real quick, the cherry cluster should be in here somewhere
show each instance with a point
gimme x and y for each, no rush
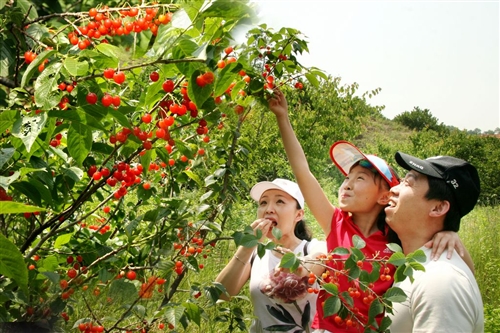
(112, 22)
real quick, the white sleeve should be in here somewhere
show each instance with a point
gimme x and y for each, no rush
(316, 246)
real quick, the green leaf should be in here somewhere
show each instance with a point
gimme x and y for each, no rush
(399, 274)
(27, 9)
(418, 255)
(29, 190)
(52, 276)
(12, 263)
(288, 261)
(74, 173)
(395, 294)
(313, 80)
(62, 239)
(417, 266)
(75, 67)
(332, 306)
(7, 119)
(122, 292)
(28, 128)
(7, 60)
(375, 309)
(384, 325)
(277, 233)
(397, 259)
(196, 93)
(340, 251)
(193, 312)
(174, 314)
(194, 177)
(5, 155)
(225, 9)
(111, 51)
(6, 181)
(10, 207)
(226, 76)
(394, 247)
(79, 142)
(120, 117)
(212, 293)
(358, 242)
(248, 240)
(206, 196)
(46, 94)
(331, 288)
(49, 263)
(132, 225)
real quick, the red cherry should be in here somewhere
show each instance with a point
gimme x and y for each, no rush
(108, 73)
(208, 77)
(119, 77)
(146, 118)
(72, 273)
(168, 86)
(200, 81)
(107, 100)
(116, 101)
(154, 76)
(91, 98)
(221, 64)
(131, 275)
(228, 50)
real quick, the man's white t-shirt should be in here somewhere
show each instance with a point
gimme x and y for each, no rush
(444, 298)
(260, 270)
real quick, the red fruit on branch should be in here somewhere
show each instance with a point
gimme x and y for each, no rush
(119, 77)
(154, 76)
(72, 273)
(131, 275)
(91, 98)
(107, 100)
(168, 86)
(108, 73)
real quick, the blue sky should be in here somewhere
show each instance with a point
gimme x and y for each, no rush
(437, 55)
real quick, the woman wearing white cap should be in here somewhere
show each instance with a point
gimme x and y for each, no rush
(280, 205)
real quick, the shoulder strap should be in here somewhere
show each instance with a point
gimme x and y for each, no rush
(305, 248)
(253, 257)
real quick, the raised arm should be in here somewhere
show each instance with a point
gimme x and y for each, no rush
(316, 200)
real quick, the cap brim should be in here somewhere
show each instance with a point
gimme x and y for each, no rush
(409, 162)
(344, 154)
(259, 188)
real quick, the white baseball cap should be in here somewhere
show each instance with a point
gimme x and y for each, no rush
(284, 185)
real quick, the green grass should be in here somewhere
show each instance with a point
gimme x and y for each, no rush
(480, 232)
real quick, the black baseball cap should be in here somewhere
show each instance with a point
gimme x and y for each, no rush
(459, 175)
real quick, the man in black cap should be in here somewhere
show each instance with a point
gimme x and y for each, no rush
(434, 195)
